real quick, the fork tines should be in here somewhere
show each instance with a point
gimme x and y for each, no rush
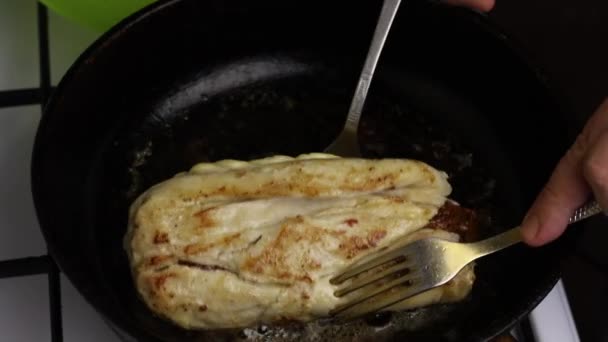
(390, 280)
(365, 265)
(379, 301)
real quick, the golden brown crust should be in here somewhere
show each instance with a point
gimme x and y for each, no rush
(258, 241)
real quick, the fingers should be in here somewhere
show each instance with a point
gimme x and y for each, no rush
(595, 168)
(480, 5)
(582, 170)
(566, 190)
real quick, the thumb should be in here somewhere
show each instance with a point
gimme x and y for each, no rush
(567, 188)
(565, 192)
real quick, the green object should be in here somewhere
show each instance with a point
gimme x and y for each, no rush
(98, 15)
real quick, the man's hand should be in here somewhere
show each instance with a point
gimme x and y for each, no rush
(583, 170)
(480, 5)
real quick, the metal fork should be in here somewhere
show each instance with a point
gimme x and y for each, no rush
(417, 267)
(347, 144)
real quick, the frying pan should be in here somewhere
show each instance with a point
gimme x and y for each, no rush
(186, 81)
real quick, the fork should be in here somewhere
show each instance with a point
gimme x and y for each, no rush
(347, 144)
(417, 267)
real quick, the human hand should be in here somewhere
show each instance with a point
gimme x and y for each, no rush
(480, 5)
(581, 171)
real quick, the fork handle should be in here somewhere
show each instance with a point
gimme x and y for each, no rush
(385, 20)
(513, 236)
(591, 208)
(496, 243)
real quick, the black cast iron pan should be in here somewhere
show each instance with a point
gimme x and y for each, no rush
(186, 81)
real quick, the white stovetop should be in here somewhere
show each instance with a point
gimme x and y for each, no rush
(24, 303)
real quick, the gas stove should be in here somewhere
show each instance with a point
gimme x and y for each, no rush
(37, 302)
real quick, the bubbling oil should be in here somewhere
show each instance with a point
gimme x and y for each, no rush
(378, 327)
